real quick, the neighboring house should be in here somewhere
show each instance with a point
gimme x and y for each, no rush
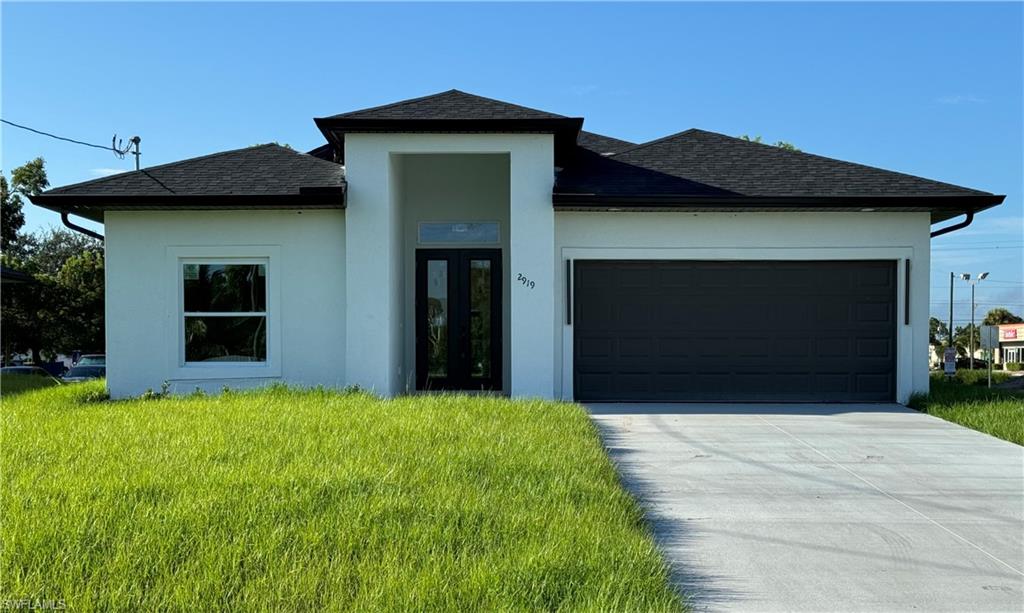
(1011, 344)
(9, 276)
(459, 242)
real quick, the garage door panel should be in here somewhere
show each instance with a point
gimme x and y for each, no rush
(874, 348)
(771, 331)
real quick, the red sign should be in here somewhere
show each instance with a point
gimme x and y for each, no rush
(1010, 333)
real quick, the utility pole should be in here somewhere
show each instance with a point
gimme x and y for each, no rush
(135, 141)
(972, 327)
(977, 279)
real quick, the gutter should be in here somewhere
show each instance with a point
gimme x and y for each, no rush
(77, 228)
(957, 226)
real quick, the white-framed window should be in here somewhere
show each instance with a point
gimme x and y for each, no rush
(1013, 354)
(224, 310)
(225, 319)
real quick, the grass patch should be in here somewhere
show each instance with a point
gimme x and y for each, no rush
(12, 385)
(977, 376)
(996, 412)
(283, 500)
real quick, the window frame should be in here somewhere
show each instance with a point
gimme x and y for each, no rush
(458, 244)
(266, 255)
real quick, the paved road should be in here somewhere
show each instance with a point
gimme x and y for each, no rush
(825, 507)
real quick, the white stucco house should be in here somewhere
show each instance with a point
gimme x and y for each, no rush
(459, 242)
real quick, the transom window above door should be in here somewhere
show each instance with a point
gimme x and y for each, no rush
(479, 232)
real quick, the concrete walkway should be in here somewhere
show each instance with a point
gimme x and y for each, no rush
(825, 507)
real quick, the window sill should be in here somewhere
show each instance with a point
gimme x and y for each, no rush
(226, 371)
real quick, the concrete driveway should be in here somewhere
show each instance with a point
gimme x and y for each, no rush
(825, 507)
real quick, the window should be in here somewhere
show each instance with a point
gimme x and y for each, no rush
(475, 232)
(224, 311)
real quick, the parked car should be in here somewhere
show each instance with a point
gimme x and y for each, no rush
(24, 370)
(84, 373)
(92, 359)
(965, 364)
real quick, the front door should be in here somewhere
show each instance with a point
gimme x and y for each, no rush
(458, 319)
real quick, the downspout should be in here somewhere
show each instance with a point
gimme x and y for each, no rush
(86, 231)
(957, 226)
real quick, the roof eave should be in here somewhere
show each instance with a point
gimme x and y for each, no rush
(93, 206)
(942, 207)
(565, 129)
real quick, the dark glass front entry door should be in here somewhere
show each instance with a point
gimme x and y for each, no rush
(458, 319)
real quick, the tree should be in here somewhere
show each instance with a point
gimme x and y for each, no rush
(51, 249)
(1001, 316)
(938, 332)
(26, 180)
(963, 340)
(781, 144)
(62, 310)
(11, 216)
(23, 314)
(76, 313)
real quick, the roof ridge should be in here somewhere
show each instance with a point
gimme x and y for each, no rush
(800, 153)
(394, 104)
(518, 106)
(655, 141)
(591, 132)
(354, 114)
(147, 169)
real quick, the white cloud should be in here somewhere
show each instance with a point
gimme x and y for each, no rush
(106, 172)
(960, 99)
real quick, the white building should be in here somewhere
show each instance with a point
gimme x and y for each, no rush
(458, 242)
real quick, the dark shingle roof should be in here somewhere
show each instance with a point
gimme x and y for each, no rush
(258, 170)
(602, 144)
(449, 105)
(263, 176)
(700, 163)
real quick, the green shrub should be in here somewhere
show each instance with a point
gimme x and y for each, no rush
(978, 376)
(1014, 366)
(997, 367)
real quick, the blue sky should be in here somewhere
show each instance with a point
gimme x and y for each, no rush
(929, 89)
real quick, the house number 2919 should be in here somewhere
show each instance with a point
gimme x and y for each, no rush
(525, 281)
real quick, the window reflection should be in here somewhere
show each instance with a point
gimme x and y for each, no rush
(437, 318)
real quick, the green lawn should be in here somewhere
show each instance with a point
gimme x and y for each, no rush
(284, 500)
(967, 401)
(12, 385)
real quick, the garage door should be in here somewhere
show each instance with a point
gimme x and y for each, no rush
(776, 331)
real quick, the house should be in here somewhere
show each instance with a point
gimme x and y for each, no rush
(1011, 344)
(9, 276)
(459, 242)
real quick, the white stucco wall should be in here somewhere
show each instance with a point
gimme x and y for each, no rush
(377, 329)
(452, 188)
(306, 295)
(779, 236)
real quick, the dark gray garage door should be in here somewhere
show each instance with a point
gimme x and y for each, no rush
(778, 331)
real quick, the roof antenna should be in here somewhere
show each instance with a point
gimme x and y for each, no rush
(117, 145)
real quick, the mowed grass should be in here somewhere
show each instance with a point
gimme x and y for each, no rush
(12, 385)
(967, 401)
(310, 500)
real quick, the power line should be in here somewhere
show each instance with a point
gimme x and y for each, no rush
(1014, 247)
(115, 144)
